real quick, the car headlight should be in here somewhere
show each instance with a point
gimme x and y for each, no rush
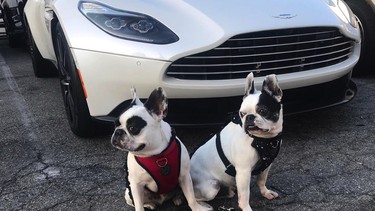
(127, 25)
(345, 11)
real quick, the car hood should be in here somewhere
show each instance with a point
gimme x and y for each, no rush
(200, 25)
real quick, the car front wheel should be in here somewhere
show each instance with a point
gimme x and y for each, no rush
(80, 120)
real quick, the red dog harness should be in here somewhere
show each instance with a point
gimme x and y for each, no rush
(165, 167)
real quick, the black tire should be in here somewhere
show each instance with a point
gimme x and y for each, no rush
(80, 121)
(42, 67)
(11, 39)
(365, 11)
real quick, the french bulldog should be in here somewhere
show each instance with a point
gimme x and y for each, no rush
(157, 161)
(244, 147)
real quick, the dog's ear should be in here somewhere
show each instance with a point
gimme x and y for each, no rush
(136, 100)
(271, 87)
(249, 88)
(157, 104)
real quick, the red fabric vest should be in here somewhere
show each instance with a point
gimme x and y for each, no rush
(165, 167)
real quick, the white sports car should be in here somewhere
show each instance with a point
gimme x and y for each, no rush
(198, 51)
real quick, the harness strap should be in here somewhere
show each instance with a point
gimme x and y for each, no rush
(230, 170)
(267, 149)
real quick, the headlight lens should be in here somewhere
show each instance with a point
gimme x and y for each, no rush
(127, 25)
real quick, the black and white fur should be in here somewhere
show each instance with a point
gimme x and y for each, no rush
(142, 132)
(262, 116)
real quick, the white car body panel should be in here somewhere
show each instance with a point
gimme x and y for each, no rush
(212, 29)
(110, 65)
(35, 13)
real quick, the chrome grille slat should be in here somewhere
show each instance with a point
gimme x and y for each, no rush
(284, 44)
(266, 52)
(260, 70)
(264, 62)
(263, 54)
(315, 33)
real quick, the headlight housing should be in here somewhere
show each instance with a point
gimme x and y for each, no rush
(127, 25)
(349, 15)
(345, 11)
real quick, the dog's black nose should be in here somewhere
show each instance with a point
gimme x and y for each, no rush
(250, 119)
(119, 132)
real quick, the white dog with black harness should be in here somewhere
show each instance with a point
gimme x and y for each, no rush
(246, 146)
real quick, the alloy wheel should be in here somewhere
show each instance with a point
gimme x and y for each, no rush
(64, 73)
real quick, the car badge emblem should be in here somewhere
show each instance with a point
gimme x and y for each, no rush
(285, 16)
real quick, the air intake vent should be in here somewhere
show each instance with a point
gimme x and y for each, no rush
(266, 52)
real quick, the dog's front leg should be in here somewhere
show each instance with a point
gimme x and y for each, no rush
(186, 185)
(262, 179)
(243, 178)
(187, 188)
(138, 196)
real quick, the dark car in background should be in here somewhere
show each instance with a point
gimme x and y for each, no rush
(12, 15)
(365, 12)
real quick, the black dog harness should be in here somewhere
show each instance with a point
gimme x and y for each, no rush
(267, 148)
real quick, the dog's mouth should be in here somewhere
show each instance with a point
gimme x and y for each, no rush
(121, 145)
(139, 148)
(255, 128)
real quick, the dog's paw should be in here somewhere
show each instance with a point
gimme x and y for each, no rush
(269, 194)
(178, 200)
(128, 199)
(246, 208)
(202, 206)
(223, 208)
(150, 206)
(231, 193)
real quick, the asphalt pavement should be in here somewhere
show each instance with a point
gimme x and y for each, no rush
(326, 162)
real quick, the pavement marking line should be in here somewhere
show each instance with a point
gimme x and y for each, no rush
(20, 102)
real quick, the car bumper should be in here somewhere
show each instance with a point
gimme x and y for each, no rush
(216, 111)
(107, 79)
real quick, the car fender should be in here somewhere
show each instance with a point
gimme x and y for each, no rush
(38, 15)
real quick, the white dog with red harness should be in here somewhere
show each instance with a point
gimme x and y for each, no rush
(158, 162)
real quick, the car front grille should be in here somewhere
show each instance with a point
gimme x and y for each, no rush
(266, 52)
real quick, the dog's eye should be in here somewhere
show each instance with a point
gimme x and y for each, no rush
(134, 130)
(262, 111)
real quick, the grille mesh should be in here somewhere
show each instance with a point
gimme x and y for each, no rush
(266, 52)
